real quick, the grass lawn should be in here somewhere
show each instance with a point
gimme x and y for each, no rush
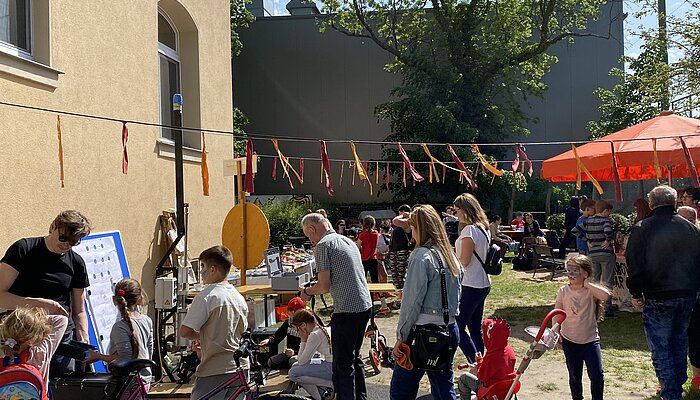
(524, 301)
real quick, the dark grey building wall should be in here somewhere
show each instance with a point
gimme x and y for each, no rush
(293, 81)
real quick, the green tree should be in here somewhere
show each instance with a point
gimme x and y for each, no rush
(240, 18)
(638, 96)
(464, 65)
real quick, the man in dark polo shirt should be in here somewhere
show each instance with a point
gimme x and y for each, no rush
(340, 271)
(46, 272)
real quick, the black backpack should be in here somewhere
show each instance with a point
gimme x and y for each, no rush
(494, 263)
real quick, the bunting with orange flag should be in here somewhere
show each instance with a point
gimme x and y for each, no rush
(581, 167)
(361, 172)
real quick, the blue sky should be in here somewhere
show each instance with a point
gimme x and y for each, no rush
(632, 24)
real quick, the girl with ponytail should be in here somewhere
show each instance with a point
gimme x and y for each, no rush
(132, 335)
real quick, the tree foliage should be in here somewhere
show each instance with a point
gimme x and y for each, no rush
(638, 96)
(464, 64)
(648, 78)
(240, 18)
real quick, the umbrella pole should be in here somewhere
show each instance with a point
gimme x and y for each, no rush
(670, 175)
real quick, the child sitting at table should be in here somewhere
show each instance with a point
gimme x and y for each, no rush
(314, 368)
(285, 359)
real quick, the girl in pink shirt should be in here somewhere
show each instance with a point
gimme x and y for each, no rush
(583, 303)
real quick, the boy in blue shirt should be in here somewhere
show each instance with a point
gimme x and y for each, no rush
(588, 207)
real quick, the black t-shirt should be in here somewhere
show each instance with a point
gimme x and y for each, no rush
(400, 240)
(44, 274)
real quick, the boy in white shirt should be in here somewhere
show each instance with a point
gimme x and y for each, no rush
(215, 321)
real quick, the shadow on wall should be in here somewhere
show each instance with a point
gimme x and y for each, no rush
(156, 250)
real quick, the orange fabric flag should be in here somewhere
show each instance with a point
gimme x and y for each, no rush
(581, 167)
(361, 172)
(205, 167)
(60, 149)
(286, 166)
(492, 168)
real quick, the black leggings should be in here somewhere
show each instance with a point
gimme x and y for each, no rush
(694, 336)
(372, 266)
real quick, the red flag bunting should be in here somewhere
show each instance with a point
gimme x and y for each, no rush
(125, 155)
(274, 168)
(521, 152)
(326, 167)
(616, 175)
(460, 165)
(301, 170)
(249, 185)
(414, 174)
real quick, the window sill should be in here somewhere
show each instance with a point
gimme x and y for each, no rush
(29, 70)
(166, 149)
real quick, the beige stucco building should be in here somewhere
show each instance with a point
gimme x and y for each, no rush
(118, 59)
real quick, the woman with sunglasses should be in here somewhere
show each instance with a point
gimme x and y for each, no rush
(45, 272)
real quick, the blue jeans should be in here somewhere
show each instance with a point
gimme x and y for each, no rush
(578, 354)
(404, 383)
(471, 310)
(666, 326)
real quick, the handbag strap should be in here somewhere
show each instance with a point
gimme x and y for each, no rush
(487, 244)
(443, 285)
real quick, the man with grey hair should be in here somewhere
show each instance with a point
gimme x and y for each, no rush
(663, 262)
(340, 271)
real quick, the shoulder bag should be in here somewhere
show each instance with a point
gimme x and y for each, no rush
(432, 349)
(494, 263)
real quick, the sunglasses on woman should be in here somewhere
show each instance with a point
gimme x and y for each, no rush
(64, 239)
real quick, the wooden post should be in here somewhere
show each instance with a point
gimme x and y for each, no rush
(244, 242)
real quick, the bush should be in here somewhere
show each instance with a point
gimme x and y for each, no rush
(284, 220)
(620, 223)
(555, 222)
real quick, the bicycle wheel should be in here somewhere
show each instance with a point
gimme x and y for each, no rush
(281, 396)
(375, 360)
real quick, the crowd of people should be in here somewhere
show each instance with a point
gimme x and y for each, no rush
(441, 283)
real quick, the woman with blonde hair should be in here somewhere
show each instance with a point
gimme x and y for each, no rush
(422, 302)
(473, 241)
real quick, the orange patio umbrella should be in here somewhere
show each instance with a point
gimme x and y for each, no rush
(677, 143)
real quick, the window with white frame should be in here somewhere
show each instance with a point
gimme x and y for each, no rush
(169, 63)
(15, 27)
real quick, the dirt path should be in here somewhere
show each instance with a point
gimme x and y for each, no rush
(546, 378)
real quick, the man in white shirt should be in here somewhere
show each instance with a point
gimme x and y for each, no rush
(215, 321)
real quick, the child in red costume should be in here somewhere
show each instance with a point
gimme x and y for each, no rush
(498, 364)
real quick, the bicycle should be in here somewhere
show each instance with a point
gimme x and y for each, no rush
(249, 387)
(123, 382)
(379, 352)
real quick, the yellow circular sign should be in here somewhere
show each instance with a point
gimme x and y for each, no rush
(251, 238)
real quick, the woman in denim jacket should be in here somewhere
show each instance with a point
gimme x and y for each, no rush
(422, 301)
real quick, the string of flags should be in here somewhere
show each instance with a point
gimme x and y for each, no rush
(360, 169)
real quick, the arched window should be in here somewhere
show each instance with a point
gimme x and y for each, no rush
(178, 62)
